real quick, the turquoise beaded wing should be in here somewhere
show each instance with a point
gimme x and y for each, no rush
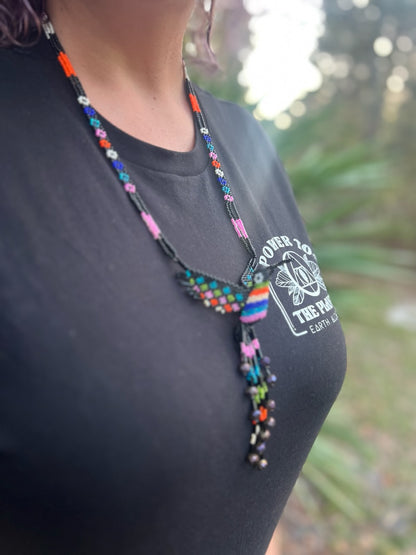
(223, 296)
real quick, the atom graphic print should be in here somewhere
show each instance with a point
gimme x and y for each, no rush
(298, 289)
(301, 277)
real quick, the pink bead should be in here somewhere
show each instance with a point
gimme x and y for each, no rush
(209, 294)
(247, 350)
(151, 225)
(253, 317)
(236, 307)
(229, 198)
(239, 228)
(223, 300)
(213, 155)
(101, 133)
(130, 188)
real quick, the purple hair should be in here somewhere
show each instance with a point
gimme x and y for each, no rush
(19, 19)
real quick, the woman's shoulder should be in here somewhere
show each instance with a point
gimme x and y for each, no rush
(229, 112)
(235, 124)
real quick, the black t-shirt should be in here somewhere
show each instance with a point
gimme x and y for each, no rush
(123, 420)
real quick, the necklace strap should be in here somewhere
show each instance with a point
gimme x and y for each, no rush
(122, 172)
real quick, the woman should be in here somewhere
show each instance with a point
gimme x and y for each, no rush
(123, 424)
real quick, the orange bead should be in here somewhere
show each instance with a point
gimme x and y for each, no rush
(105, 144)
(263, 414)
(194, 103)
(66, 64)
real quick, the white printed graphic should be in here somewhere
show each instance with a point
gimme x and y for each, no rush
(301, 277)
(299, 281)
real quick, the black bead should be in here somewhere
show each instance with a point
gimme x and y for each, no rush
(253, 458)
(271, 422)
(262, 464)
(245, 368)
(271, 404)
(271, 380)
(265, 434)
(252, 391)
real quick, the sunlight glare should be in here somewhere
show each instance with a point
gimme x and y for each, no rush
(278, 71)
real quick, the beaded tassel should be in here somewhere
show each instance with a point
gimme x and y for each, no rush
(256, 369)
(252, 304)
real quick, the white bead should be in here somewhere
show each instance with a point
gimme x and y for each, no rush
(219, 172)
(257, 428)
(207, 303)
(110, 153)
(204, 131)
(83, 100)
(253, 439)
(48, 28)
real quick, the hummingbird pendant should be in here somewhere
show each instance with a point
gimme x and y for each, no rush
(252, 303)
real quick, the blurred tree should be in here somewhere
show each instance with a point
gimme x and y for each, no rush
(367, 56)
(368, 59)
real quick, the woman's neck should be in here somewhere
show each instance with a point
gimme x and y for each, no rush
(141, 39)
(129, 59)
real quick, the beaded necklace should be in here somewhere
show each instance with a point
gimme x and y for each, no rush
(250, 298)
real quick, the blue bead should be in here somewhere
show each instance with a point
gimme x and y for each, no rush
(261, 448)
(207, 138)
(89, 111)
(213, 285)
(124, 177)
(255, 414)
(188, 273)
(226, 290)
(239, 296)
(117, 164)
(200, 279)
